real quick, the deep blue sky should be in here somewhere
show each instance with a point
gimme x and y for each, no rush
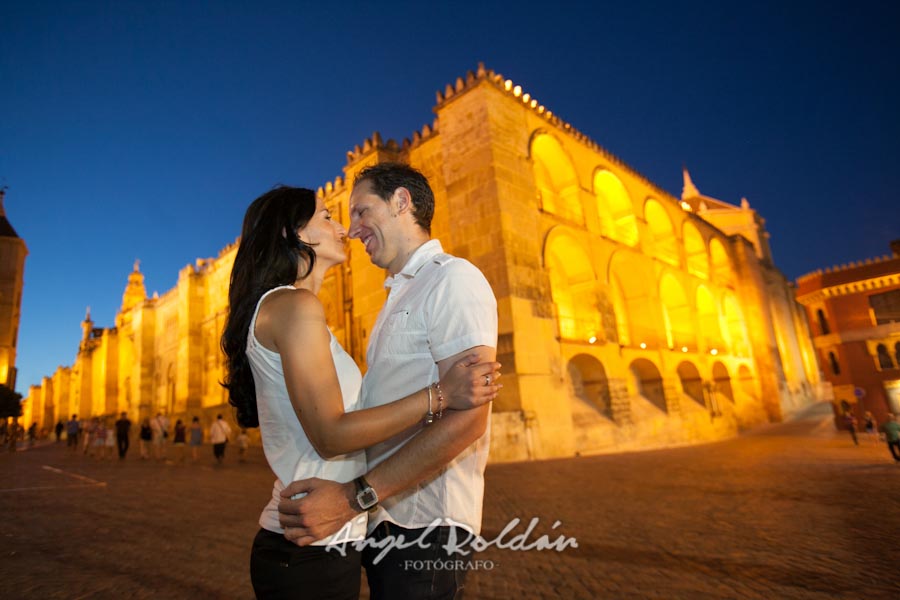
(143, 129)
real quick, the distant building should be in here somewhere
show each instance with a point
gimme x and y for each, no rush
(855, 312)
(12, 273)
(629, 318)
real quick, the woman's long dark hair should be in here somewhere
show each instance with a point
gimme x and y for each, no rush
(269, 255)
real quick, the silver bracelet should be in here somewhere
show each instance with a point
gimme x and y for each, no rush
(429, 416)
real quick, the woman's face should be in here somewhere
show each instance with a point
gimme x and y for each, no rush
(326, 236)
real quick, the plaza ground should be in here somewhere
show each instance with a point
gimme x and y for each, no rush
(792, 510)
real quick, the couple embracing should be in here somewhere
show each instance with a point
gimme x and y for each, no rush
(399, 452)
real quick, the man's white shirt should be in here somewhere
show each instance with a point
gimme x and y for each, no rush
(438, 306)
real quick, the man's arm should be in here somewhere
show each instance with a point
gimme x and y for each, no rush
(427, 453)
(328, 505)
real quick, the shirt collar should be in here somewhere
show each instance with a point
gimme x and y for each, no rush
(419, 259)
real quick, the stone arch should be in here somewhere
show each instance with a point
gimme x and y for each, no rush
(635, 311)
(590, 383)
(709, 320)
(616, 210)
(691, 382)
(555, 178)
(677, 315)
(747, 382)
(572, 286)
(648, 383)
(665, 244)
(695, 251)
(736, 329)
(721, 265)
(722, 382)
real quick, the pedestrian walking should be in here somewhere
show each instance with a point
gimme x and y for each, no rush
(110, 442)
(99, 443)
(871, 427)
(196, 437)
(72, 429)
(123, 430)
(87, 434)
(179, 440)
(243, 442)
(160, 427)
(218, 435)
(12, 435)
(146, 438)
(891, 429)
(850, 424)
(58, 430)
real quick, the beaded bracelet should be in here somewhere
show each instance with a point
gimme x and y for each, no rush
(440, 396)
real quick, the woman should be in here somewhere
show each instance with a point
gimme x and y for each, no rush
(288, 375)
(179, 440)
(145, 437)
(196, 437)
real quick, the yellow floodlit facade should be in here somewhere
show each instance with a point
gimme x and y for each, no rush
(629, 318)
(12, 271)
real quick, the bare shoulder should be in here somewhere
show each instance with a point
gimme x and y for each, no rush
(285, 310)
(289, 304)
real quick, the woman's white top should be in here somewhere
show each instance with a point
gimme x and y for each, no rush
(288, 451)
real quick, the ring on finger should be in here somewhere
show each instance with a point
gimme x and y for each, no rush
(487, 379)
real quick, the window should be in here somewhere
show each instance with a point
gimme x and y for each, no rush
(823, 322)
(886, 307)
(835, 366)
(884, 358)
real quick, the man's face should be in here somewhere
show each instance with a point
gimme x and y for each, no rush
(372, 223)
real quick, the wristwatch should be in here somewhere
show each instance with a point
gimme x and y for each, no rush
(366, 497)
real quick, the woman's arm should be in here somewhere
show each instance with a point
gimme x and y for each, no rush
(301, 338)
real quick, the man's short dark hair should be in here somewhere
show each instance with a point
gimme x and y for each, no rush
(386, 177)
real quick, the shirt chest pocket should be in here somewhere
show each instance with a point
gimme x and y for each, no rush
(405, 334)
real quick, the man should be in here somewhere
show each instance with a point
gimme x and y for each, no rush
(72, 429)
(891, 429)
(850, 422)
(218, 436)
(439, 309)
(123, 428)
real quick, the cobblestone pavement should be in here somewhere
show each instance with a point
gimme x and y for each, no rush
(789, 511)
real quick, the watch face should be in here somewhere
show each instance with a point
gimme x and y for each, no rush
(367, 498)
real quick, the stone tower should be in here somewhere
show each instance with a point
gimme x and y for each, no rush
(12, 270)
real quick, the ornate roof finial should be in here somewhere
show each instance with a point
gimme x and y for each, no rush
(137, 265)
(689, 190)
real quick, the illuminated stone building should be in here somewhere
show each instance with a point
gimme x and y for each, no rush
(12, 272)
(629, 318)
(855, 314)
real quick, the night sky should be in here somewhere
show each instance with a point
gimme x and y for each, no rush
(142, 130)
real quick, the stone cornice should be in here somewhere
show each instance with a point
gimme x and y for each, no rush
(846, 289)
(877, 334)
